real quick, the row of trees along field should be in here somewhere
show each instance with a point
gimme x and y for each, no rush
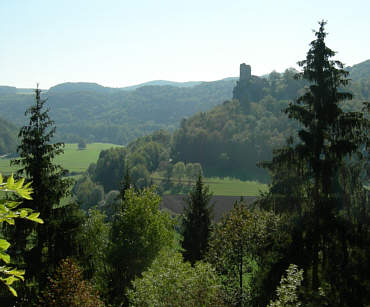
(304, 242)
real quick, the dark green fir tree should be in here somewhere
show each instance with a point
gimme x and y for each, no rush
(197, 222)
(36, 162)
(306, 178)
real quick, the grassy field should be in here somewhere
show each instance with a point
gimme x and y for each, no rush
(218, 186)
(234, 187)
(73, 159)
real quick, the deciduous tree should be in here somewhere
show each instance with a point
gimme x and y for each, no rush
(139, 231)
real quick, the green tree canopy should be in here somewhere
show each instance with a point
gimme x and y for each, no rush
(171, 282)
(139, 231)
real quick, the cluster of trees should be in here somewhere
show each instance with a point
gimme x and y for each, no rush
(145, 158)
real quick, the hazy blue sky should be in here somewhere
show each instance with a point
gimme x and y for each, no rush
(119, 43)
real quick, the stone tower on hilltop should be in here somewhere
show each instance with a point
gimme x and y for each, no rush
(241, 88)
(245, 73)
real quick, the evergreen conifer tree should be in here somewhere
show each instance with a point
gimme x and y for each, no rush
(197, 222)
(328, 138)
(36, 154)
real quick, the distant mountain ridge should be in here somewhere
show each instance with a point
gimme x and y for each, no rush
(95, 87)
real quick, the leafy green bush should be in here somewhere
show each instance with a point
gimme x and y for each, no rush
(171, 282)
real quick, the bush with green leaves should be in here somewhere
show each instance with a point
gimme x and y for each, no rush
(171, 282)
(9, 211)
(242, 246)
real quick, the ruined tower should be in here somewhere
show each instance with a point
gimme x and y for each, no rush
(241, 88)
(245, 73)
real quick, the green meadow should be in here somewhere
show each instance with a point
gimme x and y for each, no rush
(73, 159)
(218, 186)
(234, 187)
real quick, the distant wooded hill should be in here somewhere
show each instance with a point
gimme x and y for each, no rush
(100, 114)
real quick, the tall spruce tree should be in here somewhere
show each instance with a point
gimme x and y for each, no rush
(197, 222)
(327, 139)
(36, 154)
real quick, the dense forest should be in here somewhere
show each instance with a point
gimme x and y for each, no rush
(305, 242)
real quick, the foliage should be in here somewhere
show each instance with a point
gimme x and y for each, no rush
(141, 157)
(110, 167)
(9, 211)
(139, 231)
(193, 170)
(196, 222)
(179, 170)
(82, 144)
(243, 244)
(287, 291)
(171, 282)
(67, 288)
(87, 193)
(94, 242)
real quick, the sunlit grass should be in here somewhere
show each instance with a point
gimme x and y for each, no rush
(235, 187)
(73, 159)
